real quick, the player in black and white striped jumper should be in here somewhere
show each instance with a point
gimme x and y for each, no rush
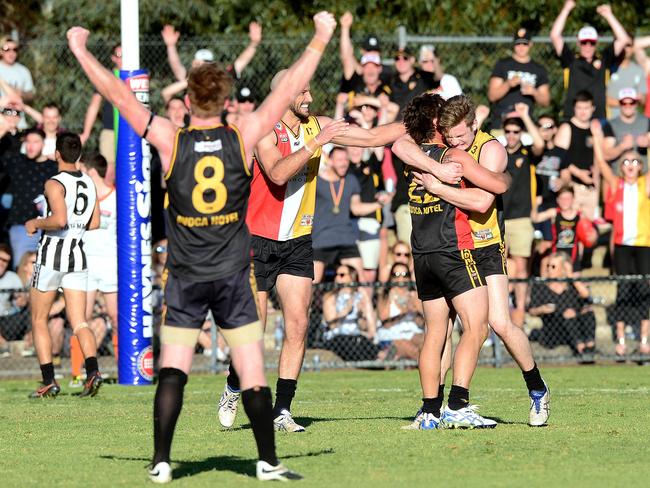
(71, 209)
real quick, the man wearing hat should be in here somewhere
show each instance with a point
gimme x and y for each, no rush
(517, 79)
(588, 69)
(629, 131)
(407, 82)
(365, 76)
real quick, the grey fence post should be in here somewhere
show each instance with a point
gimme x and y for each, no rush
(401, 36)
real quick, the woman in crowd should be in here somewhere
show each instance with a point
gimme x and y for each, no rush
(399, 253)
(349, 319)
(401, 316)
(564, 307)
(627, 204)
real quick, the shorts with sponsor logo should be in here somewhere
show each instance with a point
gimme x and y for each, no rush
(446, 274)
(232, 301)
(491, 260)
(102, 274)
(47, 279)
(271, 258)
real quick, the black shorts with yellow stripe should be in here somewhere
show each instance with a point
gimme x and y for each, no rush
(492, 260)
(232, 300)
(446, 274)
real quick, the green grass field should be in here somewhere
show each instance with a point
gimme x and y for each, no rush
(598, 434)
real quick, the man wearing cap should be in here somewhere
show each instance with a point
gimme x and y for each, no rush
(629, 131)
(361, 77)
(588, 69)
(517, 79)
(15, 74)
(627, 75)
(407, 82)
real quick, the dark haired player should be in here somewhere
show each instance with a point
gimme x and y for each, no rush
(208, 172)
(71, 209)
(457, 123)
(447, 275)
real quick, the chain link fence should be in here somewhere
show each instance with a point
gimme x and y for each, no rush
(563, 326)
(58, 77)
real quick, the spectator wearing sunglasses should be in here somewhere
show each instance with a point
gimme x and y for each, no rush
(519, 200)
(588, 69)
(628, 74)
(15, 74)
(517, 79)
(407, 82)
(629, 130)
(628, 205)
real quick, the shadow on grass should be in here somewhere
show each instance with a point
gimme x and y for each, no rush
(307, 421)
(506, 422)
(234, 464)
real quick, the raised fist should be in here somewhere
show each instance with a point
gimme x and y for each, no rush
(255, 32)
(346, 19)
(324, 23)
(77, 38)
(170, 35)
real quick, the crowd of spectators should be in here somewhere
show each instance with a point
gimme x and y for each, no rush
(579, 181)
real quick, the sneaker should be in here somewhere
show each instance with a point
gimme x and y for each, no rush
(76, 382)
(415, 425)
(285, 423)
(28, 352)
(266, 472)
(228, 406)
(540, 407)
(46, 391)
(465, 418)
(91, 387)
(161, 473)
(429, 422)
(5, 352)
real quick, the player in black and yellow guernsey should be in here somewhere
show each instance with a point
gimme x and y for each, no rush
(208, 170)
(446, 275)
(457, 122)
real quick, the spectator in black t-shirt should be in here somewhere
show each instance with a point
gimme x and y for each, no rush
(518, 201)
(548, 168)
(408, 81)
(27, 176)
(365, 77)
(575, 137)
(588, 69)
(517, 79)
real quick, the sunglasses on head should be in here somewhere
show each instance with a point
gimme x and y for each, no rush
(10, 111)
(588, 43)
(511, 131)
(400, 274)
(631, 162)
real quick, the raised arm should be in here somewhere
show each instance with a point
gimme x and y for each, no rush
(640, 46)
(246, 56)
(408, 151)
(170, 90)
(599, 159)
(256, 125)
(90, 117)
(621, 37)
(170, 37)
(349, 62)
(558, 26)
(280, 169)
(160, 131)
(524, 113)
